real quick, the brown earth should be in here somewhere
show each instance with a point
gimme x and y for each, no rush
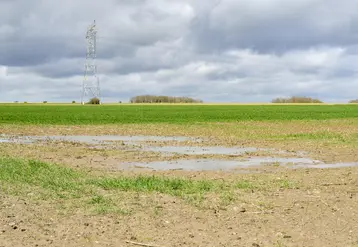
(320, 210)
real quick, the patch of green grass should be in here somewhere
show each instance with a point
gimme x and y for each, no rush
(123, 114)
(284, 184)
(245, 185)
(227, 198)
(52, 181)
(105, 205)
(324, 136)
(315, 136)
(170, 186)
(62, 182)
(99, 199)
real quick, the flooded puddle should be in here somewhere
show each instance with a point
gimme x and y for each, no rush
(109, 140)
(16, 140)
(95, 139)
(188, 165)
(326, 166)
(201, 150)
(227, 165)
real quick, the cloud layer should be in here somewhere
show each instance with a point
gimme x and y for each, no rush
(223, 50)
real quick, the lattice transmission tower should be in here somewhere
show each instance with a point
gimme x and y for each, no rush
(90, 85)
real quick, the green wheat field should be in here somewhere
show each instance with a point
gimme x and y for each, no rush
(171, 114)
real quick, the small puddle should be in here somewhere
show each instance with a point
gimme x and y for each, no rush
(227, 165)
(187, 165)
(108, 140)
(95, 139)
(327, 166)
(18, 141)
(200, 150)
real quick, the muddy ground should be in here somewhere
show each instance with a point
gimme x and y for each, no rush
(320, 209)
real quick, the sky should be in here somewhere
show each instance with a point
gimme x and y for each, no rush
(213, 50)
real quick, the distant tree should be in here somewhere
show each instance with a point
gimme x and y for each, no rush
(73, 102)
(45, 102)
(162, 99)
(94, 101)
(355, 101)
(296, 99)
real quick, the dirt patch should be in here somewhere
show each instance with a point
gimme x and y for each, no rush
(291, 207)
(320, 213)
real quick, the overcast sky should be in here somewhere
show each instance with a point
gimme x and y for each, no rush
(228, 50)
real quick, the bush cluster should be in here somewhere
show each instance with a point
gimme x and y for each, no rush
(296, 99)
(162, 99)
(94, 101)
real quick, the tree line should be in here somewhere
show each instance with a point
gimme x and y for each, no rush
(296, 99)
(162, 99)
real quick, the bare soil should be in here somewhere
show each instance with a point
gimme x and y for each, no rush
(322, 210)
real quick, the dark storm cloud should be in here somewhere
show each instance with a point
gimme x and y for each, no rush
(32, 52)
(276, 26)
(59, 72)
(212, 50)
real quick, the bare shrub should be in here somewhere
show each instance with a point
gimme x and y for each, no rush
(296, 99)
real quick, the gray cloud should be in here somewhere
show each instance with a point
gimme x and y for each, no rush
(276, 25)
(224, 50)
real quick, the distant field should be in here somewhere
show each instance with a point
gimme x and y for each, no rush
(121, 114)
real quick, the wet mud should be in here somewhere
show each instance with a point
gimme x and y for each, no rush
(231, 158)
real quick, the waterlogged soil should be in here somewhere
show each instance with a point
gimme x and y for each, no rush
(159, 153)
(321, 210)
(239, 166)
(331, 141)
